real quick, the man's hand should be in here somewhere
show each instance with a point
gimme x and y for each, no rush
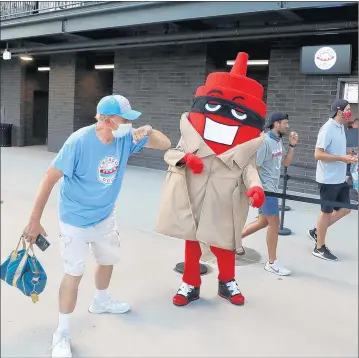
(293, 138)
(141, 133)
(194, 163)
(256, 196)
(349, 159)
(32, 231)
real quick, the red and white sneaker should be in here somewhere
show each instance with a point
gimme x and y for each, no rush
(185, 295)
(230, 291)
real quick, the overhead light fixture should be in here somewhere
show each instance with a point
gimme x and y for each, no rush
(252, 63)
(6, 55)
(104, 67)
(26, 58)
(43, 69)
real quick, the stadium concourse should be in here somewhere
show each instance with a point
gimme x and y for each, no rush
(312, 313)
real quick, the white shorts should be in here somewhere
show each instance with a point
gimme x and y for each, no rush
(104, 240)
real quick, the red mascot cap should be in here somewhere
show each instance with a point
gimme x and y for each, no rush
(235, 86)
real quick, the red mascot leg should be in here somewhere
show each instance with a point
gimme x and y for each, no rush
(227, 285)
(192, 271)
(189, 290)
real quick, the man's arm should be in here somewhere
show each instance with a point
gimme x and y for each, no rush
(321, 154)
(34, 228)
(288, 158)
(323, 142)
(293, 141)
(52, 176)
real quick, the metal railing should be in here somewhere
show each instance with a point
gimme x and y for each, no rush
(16, 9)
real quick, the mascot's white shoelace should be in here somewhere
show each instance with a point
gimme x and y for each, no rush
(185, 289)
(233, 287)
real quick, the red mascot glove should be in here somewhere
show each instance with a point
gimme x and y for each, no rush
(257, 194)
(193, 163)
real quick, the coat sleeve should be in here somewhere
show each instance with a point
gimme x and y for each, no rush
(250, 174)
(174, 155)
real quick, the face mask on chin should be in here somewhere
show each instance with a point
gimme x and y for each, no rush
(122, 130)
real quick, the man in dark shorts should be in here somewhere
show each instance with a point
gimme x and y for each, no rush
(332, 157)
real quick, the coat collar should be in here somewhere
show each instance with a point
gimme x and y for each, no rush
(194, 142)
(240, 154)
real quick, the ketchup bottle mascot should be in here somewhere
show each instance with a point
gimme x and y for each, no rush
(212, 177)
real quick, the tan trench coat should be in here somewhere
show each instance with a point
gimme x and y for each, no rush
(210, 207)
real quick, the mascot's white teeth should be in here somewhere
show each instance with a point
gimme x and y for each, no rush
(219, 133)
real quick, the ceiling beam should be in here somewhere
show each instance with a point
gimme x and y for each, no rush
(32, 43)
(196, 25)
(72, 37)
(200, 36)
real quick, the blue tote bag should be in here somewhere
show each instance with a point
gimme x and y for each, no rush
(24, 271)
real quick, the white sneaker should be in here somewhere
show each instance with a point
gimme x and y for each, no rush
(61, 345)
(109, 306)
(277, 268)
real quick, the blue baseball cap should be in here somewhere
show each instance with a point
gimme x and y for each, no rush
(117, 105)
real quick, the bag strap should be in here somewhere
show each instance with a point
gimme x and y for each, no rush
(14, 253)
(22, 240)
(31, 247)
(24, 247)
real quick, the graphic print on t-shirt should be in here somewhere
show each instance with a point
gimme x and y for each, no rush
(277, 153)
(107, 170)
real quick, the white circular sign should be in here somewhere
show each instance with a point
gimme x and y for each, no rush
(325, 58)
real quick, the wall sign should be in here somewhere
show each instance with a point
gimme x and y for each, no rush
(327, 59)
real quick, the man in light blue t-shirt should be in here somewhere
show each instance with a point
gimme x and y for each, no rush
(332, 159)
(91, 164)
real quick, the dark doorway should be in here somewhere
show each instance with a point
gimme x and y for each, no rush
(40, 119)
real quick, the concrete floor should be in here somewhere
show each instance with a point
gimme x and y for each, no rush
(313, 313)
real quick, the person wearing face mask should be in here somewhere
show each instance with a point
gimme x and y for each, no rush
(332, 158)
(352, 143)
(91, 164)
(270, 157)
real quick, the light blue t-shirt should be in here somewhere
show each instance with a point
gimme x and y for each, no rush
(332, 139)
(93, 173)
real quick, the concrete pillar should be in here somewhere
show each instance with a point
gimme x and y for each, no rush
(61, 100)
(12, 94)
(74, 92)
